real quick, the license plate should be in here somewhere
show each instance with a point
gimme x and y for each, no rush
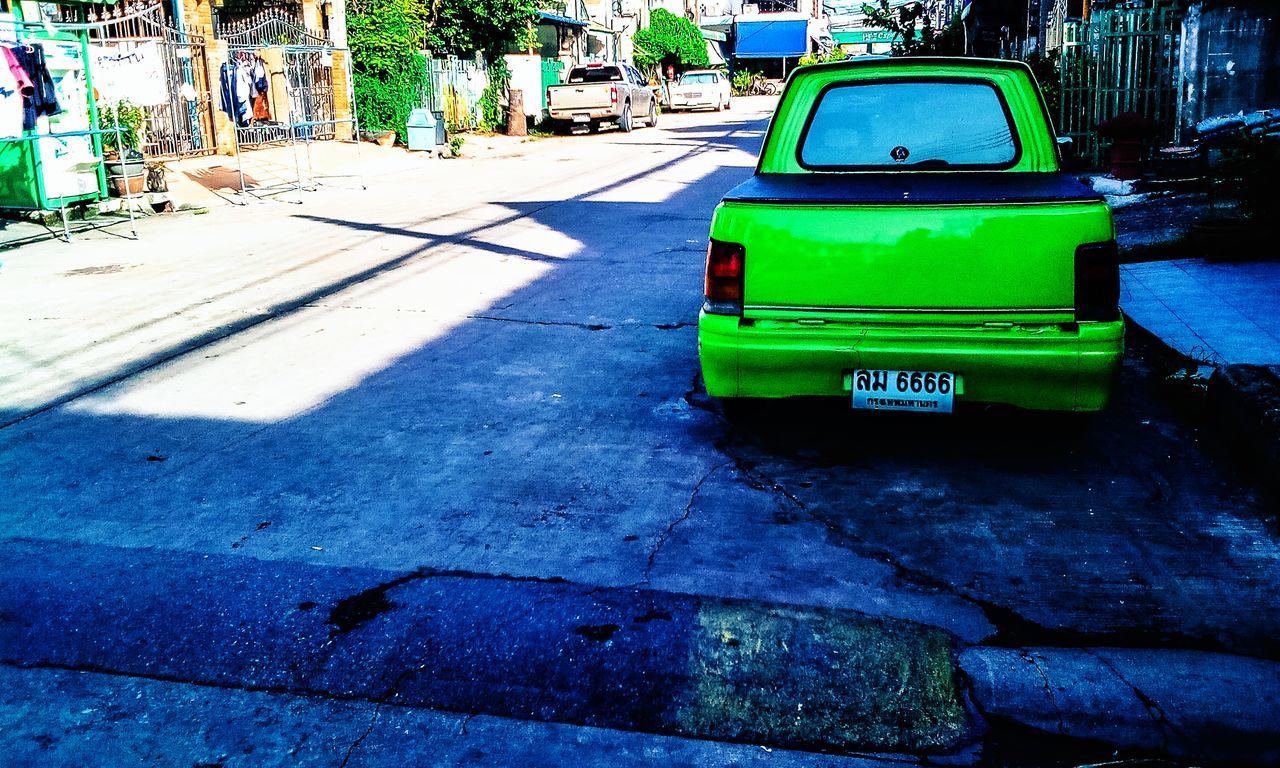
(903, 390)
(582, 118)
(694, 95)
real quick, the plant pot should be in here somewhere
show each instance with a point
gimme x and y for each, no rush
(133, 185)
(381, 138)
(130, 168)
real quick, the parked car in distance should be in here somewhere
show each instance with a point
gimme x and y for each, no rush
(701, 89)
(597, 93)
(909, 241)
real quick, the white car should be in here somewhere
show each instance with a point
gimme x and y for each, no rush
(701, 89)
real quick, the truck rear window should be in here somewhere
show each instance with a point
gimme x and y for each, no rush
(702, 78)
(909, 124)
(595, 75)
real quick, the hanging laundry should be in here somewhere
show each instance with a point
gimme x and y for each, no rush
(237, 88)
(261, 110)
(244, 92)
(43, 99)
(259, 75)
(15, 87)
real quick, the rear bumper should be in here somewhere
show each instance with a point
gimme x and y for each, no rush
(567, 115)
(693, 104)
(1061, 368)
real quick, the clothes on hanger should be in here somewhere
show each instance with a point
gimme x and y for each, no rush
(237, 86)
(261, 110)
(244, 90)
(43, 99)
(15, 88)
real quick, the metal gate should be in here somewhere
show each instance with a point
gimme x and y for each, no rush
(456, 86)
(308, 70)
(1120, 61)
(552, 72)
(182, 125)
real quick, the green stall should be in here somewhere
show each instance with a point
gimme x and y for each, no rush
(59, 162)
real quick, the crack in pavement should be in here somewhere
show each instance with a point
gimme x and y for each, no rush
(462, 730)
(1010, 629)
(1048, 688)
(688, 510)
(1150, 705)
(585, 326)
(551, 323)
(377, 710)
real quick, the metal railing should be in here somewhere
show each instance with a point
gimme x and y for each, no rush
(1121, 61)
(182, 125)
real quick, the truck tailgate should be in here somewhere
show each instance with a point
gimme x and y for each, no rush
(949, 245)
(584, 97)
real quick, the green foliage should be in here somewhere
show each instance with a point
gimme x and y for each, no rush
(670, 40)
(384, 37)
(489, 27)
(129, 117)
(741, 83)
(835, 54)
(455, 145)
(914, 30)
(1048, 74)
(492, 114)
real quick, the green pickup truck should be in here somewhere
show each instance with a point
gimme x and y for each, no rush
(909, 241)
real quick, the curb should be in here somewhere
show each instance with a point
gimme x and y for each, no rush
(1244, 403)
(1241, 406)
(1207, 707)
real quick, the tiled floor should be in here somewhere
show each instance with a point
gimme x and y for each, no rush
(1212, 311)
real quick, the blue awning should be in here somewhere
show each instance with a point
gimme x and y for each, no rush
(771, 39)
(564, 21)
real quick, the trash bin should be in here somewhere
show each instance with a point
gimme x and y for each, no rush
(424, 131)
(441, 137)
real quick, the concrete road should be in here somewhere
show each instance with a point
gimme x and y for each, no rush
(424, 474)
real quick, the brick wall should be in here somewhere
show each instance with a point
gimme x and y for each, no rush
(342, 96)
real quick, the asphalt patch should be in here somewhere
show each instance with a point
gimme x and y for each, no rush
(525, 648)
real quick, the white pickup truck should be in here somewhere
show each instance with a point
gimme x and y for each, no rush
(598, 93)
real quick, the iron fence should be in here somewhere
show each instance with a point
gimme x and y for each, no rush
(1120, 61)
(307, 66)
(454, 88)
(183, 124)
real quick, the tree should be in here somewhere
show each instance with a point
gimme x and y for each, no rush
(488, 27)
(670, 40)
(914, 30)
(388, 74)
(385, 37)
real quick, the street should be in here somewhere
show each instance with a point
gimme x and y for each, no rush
(425, 474)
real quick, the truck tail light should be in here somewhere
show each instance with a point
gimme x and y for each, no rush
(1098, 281)
(613, 94)
(726, 266)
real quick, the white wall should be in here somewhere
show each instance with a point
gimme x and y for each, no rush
(526, 76)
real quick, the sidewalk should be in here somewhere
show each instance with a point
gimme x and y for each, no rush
(1214, 312)
(215, 179)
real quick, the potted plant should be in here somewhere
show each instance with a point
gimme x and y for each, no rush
(125, 166)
